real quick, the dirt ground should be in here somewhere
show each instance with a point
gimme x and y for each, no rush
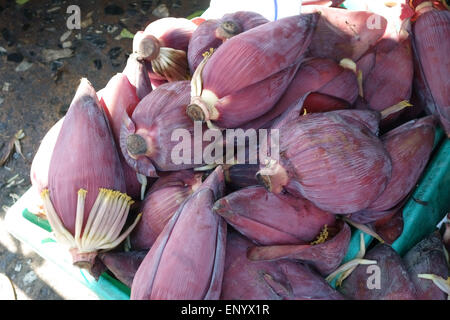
(36, 90)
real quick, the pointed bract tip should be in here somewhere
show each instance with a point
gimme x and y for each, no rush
(196, 113)
(221, 207)
(85, 81)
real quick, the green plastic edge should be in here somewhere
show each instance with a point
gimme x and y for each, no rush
(436, 174)
(108, 288)
(118, 284)
(43, 223)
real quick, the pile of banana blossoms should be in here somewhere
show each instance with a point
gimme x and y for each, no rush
(335, 86)
(262, 59)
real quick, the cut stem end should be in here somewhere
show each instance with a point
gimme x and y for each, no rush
(227, 30)
(195, 112)
(83, 260)
(136, 145)
(148, 48)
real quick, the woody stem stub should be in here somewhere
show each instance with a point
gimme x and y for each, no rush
(136, 145)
